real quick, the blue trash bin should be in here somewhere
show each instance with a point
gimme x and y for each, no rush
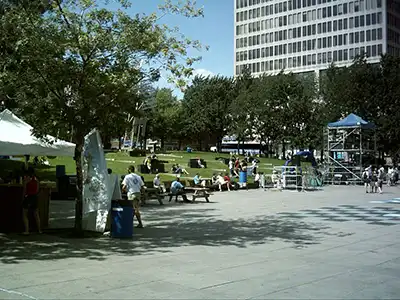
(189, 150)
(122, 221)
(243, 178)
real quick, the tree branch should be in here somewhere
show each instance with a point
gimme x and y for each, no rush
(63, 14)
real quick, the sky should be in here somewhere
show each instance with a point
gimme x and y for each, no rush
(215, 29)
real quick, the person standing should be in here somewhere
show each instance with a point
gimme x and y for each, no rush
(374, 182)
(231, 165)
(133, 185)
(30, 201)
(366, 179)
(381, 178)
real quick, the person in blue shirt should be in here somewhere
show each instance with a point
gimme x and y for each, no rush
(178, 189)
(197, 180)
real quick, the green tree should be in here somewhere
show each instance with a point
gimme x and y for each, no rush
(387, 107)
(242, 109)
(165, 115)
(208, 100)
(80, 63)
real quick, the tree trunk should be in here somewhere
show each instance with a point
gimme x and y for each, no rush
(120, 142)
(322, 155)
(162, 140)
(180, 144)
(219, 144)
(79, 185)
(284, 149)
(200, 144)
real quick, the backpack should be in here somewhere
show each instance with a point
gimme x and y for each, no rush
(365, 175)
(381, 175)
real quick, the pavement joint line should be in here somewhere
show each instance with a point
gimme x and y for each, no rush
(305, 254)
(222, 284)
(232, 267)
(17, 293)
(379, 248)
(61, 281)
(138, 284)
(319, 279)
(306, 283)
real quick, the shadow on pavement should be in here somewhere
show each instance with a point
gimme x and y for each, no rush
(166, 229)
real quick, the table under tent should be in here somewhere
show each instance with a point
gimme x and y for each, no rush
(350, 146)
(16, 139)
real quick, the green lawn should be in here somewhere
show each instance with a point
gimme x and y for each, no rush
(119, 161)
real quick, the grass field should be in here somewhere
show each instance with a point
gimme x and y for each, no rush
(119, 161)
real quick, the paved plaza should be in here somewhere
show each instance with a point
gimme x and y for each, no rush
(330, 244)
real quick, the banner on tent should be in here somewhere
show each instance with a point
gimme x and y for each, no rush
(97, 190)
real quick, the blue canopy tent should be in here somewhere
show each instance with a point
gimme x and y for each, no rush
(351, 121)
(347, 144)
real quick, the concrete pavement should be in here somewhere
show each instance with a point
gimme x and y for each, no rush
(331, 244)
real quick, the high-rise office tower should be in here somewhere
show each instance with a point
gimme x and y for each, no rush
(308, 35)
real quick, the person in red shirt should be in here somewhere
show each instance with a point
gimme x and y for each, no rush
(30, 201)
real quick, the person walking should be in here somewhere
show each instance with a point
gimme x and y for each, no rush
(30, 201)
(133, 185)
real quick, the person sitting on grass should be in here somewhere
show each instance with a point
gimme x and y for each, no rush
(200, 164)
(228, 181)
(178, 189)
(147, 163)
(222, 182)
(177, 169)
(214, 182)
(30, 201)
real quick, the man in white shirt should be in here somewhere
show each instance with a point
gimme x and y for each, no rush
(133, 185)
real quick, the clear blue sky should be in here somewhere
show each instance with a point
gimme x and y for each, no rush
(214, 30)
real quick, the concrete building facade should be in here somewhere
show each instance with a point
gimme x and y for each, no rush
(308, 35)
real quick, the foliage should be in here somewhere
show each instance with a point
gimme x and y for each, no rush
(242, 108)
(207, 103)
(80, 64)
(165, 115)
(371, 91)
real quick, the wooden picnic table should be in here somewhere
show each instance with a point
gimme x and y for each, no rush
(200, 192)
(152, 193)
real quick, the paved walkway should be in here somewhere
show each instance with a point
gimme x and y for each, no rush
(331, 244)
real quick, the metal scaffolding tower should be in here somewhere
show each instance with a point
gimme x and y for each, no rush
(350, 145)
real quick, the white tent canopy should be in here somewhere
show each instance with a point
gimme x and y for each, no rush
(16, 139)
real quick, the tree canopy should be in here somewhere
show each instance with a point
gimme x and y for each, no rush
(79, 64)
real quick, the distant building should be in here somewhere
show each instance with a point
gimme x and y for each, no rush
(308, 35)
